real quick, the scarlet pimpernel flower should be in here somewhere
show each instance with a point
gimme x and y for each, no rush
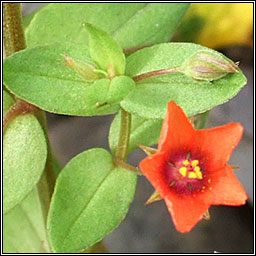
(189, 169)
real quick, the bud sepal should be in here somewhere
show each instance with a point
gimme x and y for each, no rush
(87, 70)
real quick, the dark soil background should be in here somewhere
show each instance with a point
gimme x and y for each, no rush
(149, 229)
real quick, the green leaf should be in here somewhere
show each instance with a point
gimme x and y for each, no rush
(143, 131)
(119, 88)
(8, 101)
(105, 51)
(130, 24)
(150, 97)
(24, 157)
(23, 228)
(27, 19)
(155, 23)
(39, 76)
(91, 198)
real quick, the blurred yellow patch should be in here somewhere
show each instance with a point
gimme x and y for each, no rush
(217, 25)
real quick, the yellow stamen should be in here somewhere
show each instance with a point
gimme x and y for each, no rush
(197, 169)
(183, 171)
(192, 175)
(194, 163)
(186, 162)
(209, 180)
(198, 173)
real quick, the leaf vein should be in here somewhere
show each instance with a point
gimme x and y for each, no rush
(43, 75)
(86, 205)
(130, 19)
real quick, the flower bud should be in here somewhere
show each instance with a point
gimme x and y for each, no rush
(85, 69)
(208, 66)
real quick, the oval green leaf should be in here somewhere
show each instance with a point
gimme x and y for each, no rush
(105, 51)
(39, 76)
(24, 157)
(91, 198)
(120, 87)
(150, 97)
(131, 24)
(24, 229)
(143, 131)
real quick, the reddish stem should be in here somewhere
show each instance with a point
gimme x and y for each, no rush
(136, 48)
(13, 33)
(155, 73)
(19, 108)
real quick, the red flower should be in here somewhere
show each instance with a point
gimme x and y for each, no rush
(190, 170)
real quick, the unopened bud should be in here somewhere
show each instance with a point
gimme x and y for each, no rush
(208, 66)
(85, 69)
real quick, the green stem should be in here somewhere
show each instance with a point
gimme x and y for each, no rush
(124, 136)
(123, 144)
(13, 33)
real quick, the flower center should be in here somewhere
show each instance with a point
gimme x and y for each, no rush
(191, 169)
(184, 174)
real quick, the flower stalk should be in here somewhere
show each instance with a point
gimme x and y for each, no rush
(155, 73)
(123, 144)
(127, 166)
(124, 136)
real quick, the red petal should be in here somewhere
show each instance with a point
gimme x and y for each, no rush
(214, 146)
(185, 211)
(177, 131)
(153, 168)
(226, 189)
